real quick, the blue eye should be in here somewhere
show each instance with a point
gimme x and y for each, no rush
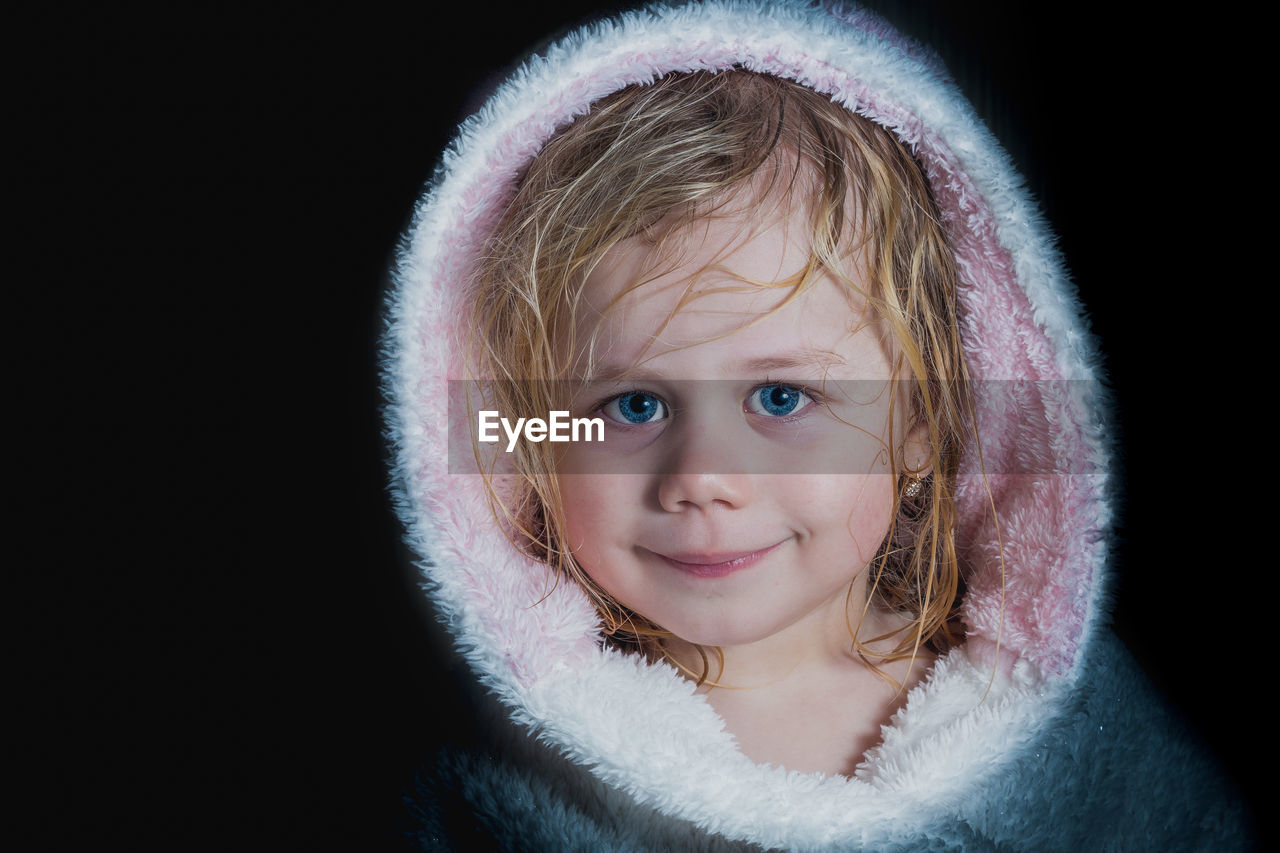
(776, 400)
(635, 407)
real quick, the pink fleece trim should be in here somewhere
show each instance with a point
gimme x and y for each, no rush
(1047, 561)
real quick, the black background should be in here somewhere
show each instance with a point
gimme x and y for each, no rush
(224, 641)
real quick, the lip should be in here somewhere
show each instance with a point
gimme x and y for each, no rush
(718, 564)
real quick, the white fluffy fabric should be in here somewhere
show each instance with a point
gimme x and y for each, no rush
(640, 727)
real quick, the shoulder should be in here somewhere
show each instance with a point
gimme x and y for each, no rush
(509, 791)
(1115, 767)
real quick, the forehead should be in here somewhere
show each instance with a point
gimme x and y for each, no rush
(721, 297)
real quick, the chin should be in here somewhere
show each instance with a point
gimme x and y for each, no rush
(718, 635)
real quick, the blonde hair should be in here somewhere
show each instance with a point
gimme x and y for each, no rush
(660, 156)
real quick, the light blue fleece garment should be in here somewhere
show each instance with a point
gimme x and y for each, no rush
(1114, 769)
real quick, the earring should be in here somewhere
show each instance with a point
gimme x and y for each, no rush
(913, 488)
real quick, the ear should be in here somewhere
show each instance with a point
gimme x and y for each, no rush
(917, 451)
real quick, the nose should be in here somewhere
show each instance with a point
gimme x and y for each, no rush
(703, 471)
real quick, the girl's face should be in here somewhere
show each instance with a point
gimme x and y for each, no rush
(745, 480)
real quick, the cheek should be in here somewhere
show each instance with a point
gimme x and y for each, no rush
(580, 510)
(594, 506)
(850, 515)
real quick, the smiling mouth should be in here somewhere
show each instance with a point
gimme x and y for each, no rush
(715, 565)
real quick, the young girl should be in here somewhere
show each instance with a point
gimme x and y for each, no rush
(828, 574)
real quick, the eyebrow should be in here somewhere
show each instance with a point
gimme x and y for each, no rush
(789, 361)
(822, 359)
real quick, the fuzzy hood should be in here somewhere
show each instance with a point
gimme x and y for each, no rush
(1031, 617)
